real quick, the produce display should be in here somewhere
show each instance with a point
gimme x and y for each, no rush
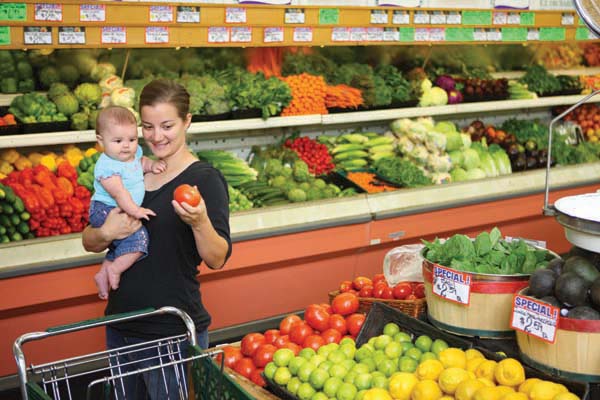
(235, 170)
(588, 118)
(377, 287)
(539, 80)
(369, 182)
(313, 153)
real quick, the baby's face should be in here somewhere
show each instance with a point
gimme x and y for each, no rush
(120, 142)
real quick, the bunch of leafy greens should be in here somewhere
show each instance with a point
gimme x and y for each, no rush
(487, 254)
(525, 130)
(539, 80)
(207, 96)
(393, 78)
(401, 172)
(314, 64)
(584, 152)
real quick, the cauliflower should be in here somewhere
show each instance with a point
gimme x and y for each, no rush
(102, 70)
(79, 121)
(417, 132)
(437, 163)
(441, 177)
(67, 104)
(105, 102)
(401, 126)
(57, 89)
(297, 195)
(419, 154)
(405, 145)
(435, 141)
(48, 75)
(110, 83)
(436, 96)
(88, 94)
(124, 97)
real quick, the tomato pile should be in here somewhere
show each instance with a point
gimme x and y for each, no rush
(313, 153)
(588, 117)
(379, 288)
(322, 324)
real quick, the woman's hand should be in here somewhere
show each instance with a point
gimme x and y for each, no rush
(119, 225)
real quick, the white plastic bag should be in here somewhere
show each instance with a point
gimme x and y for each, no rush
(403, 264)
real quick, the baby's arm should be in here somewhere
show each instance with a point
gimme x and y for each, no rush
(156, 167)
(114, 186)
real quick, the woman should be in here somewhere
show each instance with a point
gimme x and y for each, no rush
(181, 236)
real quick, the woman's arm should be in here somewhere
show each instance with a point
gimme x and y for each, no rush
(118, 225)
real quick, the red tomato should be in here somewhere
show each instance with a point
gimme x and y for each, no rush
(345, 286)
(366, 291)
(187, 194)
(263, 355)
(338, 322)
(232, 355)
(257, 378)
(360, 282)
(345, 303)
(355, 292)
(388, 293)
(271, 335)
(292, 346)
(314, 342)
(378, 278)
(419, 291)
(354, 323)
(411, 297)
(327, 308)
(316, 317)
(251, 342)
(300, 332)
(402, 290)
(331, 336)
(281, 341)
(285, 326)
(378, 289)
(244, 367)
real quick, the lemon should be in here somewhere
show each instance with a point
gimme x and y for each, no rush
(565, 396)
(473, 363)
(453, 357)
(514, 396)
(505, 389)
(446, 398)
(509, 372)
(377, 394)
(544, 390)
(486, 382)
(467, 388)
(489, 393)
(429, 369)
(473, 353)
(450, 378)
(401, 385)
(526, 386)
(426, 390)
(486, 370)
(562, 388)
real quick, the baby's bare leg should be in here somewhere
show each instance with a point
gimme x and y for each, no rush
(101, 279)
(120, 265)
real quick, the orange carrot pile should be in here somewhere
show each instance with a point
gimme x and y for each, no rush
(343, 96)
(366, 181)
(266, 60)
(308, 95)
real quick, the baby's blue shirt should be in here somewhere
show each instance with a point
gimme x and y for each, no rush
(131, 173)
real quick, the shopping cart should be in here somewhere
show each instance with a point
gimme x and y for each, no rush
(102, 375)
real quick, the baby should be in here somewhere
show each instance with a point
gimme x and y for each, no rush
(119, 182)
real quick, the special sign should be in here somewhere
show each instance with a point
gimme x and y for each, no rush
(452, 285)
(535, 318)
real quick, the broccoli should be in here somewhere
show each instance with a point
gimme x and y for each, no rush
(336, 190)
(273, 167)
(301, 173)
(328, 192)
(44, 118)
(57, 89)
(319, 183)
(26, 86)
(24, 70)
(48, 108)
(279, 181)
(313, 193)
(79, 121)
(287, 171)
(304, 186)
(59, 117)
(92, 118)
(69, 74)
(67, 104)
(48, 75)
(8, 85)
(88, 94)
(297, 195)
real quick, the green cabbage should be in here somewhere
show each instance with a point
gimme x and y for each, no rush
(457, 157)
(445, 127)
(471, 159)
(458, 174)
(475, 173)
(453, 141)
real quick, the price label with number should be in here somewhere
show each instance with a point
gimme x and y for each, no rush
(452, 285)
(188, 15)
(358, 34)
(421, 34)
(494, 35)
(421, 17)
(241, 34)
(48, 12)
(514, 18)
(437, 34)
(400, 17)
(567, 19)
(114, 34)
(4, 35)
(391, 34)
(235, 15)
(13, 12)
(438, 17)
(375, 34)
(273, 35)
(294, 16)
(379, 17)
(340, 35)
(157, 34)
(479, 34)
(161, 14)
(37, 35)
(454, 18)
(303, 34)
(92, 13)
(535, 318)
(500, 18)
(218, 34)
(533, 34)
(71, 35)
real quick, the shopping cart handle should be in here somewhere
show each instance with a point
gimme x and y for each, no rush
(98, 321)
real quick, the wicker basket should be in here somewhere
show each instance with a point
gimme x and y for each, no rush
(414, 308)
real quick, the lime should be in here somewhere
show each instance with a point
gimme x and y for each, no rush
(407, 364)
(406, 346)
(293, 385)
(349, 378)
(282, 357)
(338, 371)
(363, 353)
(326, 365)
(381, 341)
(423, 343)
(413, 353)
(282, 376)
(380, 381)
(428, 355)
(331, 386)
(319, 396)
(363, 381)
(391, 329)
(270, 369)
(393, 350)
(348, 364)
(305, 391)
(369, 362)
(360, 369)
(317, 378)
(346, 391)
(402, 337)
(295, 364)
(307, 353)
(337, 356)
(347, 340)
(438, 345)
(387, 367)
(305, 370)
(349, 350)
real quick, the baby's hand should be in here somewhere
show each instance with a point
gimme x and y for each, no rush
(144, 213)
(159, 166)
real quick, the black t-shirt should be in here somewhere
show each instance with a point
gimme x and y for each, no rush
(167, 276)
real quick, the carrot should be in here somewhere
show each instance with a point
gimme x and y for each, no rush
(343, 96)
(366, 181)
(308, 95)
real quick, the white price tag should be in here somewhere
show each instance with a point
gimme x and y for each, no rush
(303, 34)
(48, 12)
(161, 14)
(340, 35)
(452, 285)
(379, 17)
(438, 18)
(437, 34)
(454, 18)
(235, 15)
(71, 35)
(535, 318)
(400, 17)
(494, 35)
(421, 17)
(374, 34)
(294, 16)
(479, 34)
(92, 13)
(500, 18)
(114, 34)
(241, 34)
(37, 35)
(218, 34)
(533, 34)
(157, 34)
(358, 34)
(514, 18)
(273, 35)
(188, 15)
(421, 35)
(391, 35)
(567, 19)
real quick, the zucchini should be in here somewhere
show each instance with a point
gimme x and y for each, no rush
(5, 221)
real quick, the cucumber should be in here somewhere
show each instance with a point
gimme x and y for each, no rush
(5, 221)
(7, 208)
(23, 228)
(25, 216)
(273, 195)
(10, 195)
(15, 237)
(18, 205)
(4, 239)
(15, 219)
(2, 230)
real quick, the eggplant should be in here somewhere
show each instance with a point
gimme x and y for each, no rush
(520, 162)
(513, 150)
(531, 163)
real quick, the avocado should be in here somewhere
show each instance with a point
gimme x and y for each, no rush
(593, 257)
(556, 265)
(571, 289)
(541, 283)
(551, 300)
(582, 267)
(583, 312)
(595, 294)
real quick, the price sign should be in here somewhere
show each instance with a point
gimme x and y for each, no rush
(379, 17)
(235, 15)
(218, 34)
(4, 35)
(400, 17)
(294, 16)
(421, 35)
(37, 35)
(157, 34)
(514, 18)
(161, 14)
(114, 34)
(391, 35)
(303, 34)
(421, 17)
(437, 34)
(494, 35)
(567, 19)
(454, 18)
(500, 18)
(452, 285)
(48, 12)
(340, 35)
(241, 34)
(188, 15)
(479, 34)
(71, 35)
(535, 318)
(92, 13)
(476, 17)
(438, 17)
(13, 12)
(527, 18)
(273, 35)
(358, 34)
(374, 34)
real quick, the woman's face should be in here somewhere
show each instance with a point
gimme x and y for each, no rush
(163, 129)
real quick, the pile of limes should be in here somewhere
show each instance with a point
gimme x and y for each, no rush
(393, 367)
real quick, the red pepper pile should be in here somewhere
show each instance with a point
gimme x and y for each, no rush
(57, 204)
(313, 153)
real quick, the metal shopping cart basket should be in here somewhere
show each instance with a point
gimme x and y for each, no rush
(102, 375)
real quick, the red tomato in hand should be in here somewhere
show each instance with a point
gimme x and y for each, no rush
(345, 286)
(331, 336)
(379, 278)
(292, 346)
(251, 342)
(316, 317)
(232, 355)
(314, 342)
(366, 291)
(263, 355)
(419, 291)
(244, 367)
(354, 323)
(361, 281)
(187, 194)
(257, 378)
(300, 332)
(286, 324)
(271, 335)
(338, 322)
(281, 341)
(402, 290)
(345, 303)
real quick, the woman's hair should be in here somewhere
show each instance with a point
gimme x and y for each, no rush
(166, 91)
(113, 115)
